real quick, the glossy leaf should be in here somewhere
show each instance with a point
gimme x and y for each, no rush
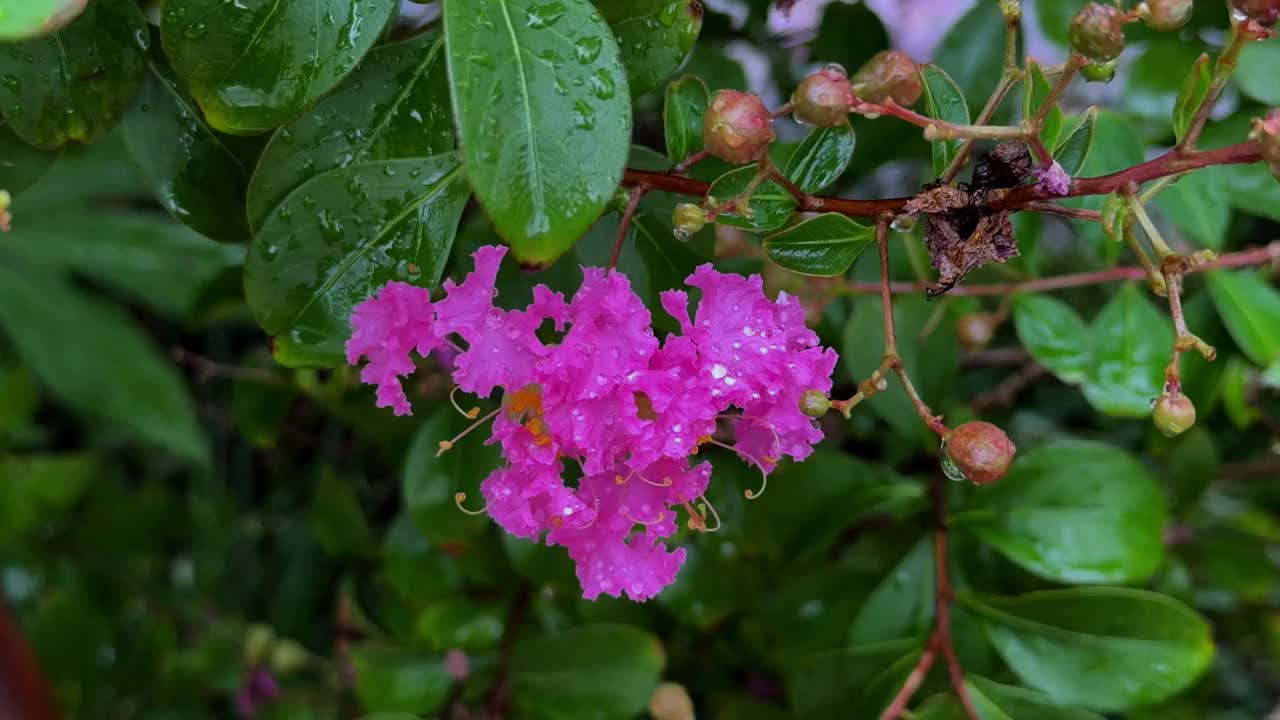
(1195, 87)
(902, 604)
(943, 101)
(1054, 335)
(1074, 148)
(1198, 205)
(1250, 308)
(838, 683)
(129, 382)
(1256, 73)
(771, 205)
(1236, 402)
(1155, 82)
(821, 158)
(655, 37)
(1075, 512)
(74, 85)
(687, 100)
(600, 671)
(1037, 90)
(429, 483)
(1104, 648)
(29, 18)
(825, 245)
(392, 679)
(996, 701)
(189, 168)
(254, 64)
(394, 106)
(850, 35)
(21, 165)
(341, 236)
(1131, 343)
(543, 116)
(973, 51)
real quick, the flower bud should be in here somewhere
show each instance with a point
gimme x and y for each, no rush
(1267, 133)
(1097, 32)
(736, 127)
(670, 701)
(1165, 15)
(814, 403)
(1173, 414)
(1264, 12)
(978, 452)
(889, 74)
(824, 98)
(975, 330)
(687, 220)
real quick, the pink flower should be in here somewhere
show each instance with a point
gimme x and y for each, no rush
(1053, 180)
(387, 326)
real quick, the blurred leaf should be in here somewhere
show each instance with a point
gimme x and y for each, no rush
(337, 520)
(21, 398)
(127, 382)
(252, 66)
(1131, 344)
(901, 606)
(463, 624)
(1054, 18)
(1074, 148)
(1256, 73)
(1235, 393)
(1156, 81)
(1105, 648)
(850, 34)
(1036, 91)
(430, 483)
(1116, 146)
(836, 683)
(36, 489)
(1250, 308)
(1074, 512)
(825, 245)
(392, 679)
(973, 52)
(339, 238)
(1191, 468)
(74, 85)
(771, 205)
(943, 101)
(599, 671)
(1197, 203)
(20, 164)
(1195, 88)
(821, 158)
(995, 701)
(1054, 335)
(1251, 187)
(687, 100)
(712, 583)
(394, 106)
(414, 566)
(542, 194)
(654, 36)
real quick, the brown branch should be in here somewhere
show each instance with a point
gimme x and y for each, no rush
(500, 694)
(1006, 392)
(633, 202)
(1049, 208)
(207, 369)
(913, 682)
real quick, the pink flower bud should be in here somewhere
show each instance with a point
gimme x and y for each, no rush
(1097, 32)
(889, 74)
(978, 452)
(1166, 15)
(1264, 12)
(1173, 414)
(975, 330)
(1267, 133)
(736, 127)
(824, 98)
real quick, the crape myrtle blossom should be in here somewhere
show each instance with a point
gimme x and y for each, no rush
(629, 411)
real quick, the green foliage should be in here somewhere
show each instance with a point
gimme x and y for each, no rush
(824, 245)
(943, 101)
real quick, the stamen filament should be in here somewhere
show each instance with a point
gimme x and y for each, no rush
(447, 444)
(459, 498)
(472, 413)
(764, 474)
(662, 515)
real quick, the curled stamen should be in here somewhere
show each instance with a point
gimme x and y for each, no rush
(777, 441)
(472, 413)
(459, 498)
(708, 507)
(662, 515)
(447, 444)
(666, 481)
(764, 474)
(623, 480)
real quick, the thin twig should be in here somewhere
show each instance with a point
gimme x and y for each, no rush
(500, 693)
(944, 596)
(633, 202)
(913, 682)
(207, 369)
(1049, 208)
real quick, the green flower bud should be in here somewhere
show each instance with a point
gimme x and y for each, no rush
(1165, 15)
(824, 98)
(1099, 72)
(736, 127)
(1097, 32)
(978, 452)
(889, 74)
(814, 403)
(288, 656)
(688, 219)
(257, 643)
(1173, 414)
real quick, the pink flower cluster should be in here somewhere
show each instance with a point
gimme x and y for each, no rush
(629, 410)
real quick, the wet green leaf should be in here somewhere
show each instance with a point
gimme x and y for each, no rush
(460, 623)
(429, 483)
(1195, 87)
(1104, 648)
(943, 101)
(394, 106)
(543, 116)
(1131, 344)
(1074, 148)
(254, 64)
(902, 604)
(600, 671)
(838, 683)
(655, 37)
(393, 679)
(338, 238)
(189, 168)
(75, 84)
(825, 245)
(1036, 91)
(21, 165)
(821, 158)
(687, 100)
(1054, 335)
(1250, 308)
(996, 701)
(1256, 73)
(771, 205)
(1074, 512)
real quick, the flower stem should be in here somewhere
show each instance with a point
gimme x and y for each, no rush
(633, 201)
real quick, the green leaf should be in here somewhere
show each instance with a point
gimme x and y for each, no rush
(1198, 205)
(338, 238)
(75, 84)
(394, 106)
(687, 100)
(20, 164)
(1195, 88)
(902, 604)
(461, 623)
(29, 18)
(825, 245)
(943, 101)
(837, 683)
(1075, 512)
(598, 671)
(429, 483)
(1054, 335)
(337, 520)
(128, 381)
(1131, 344)
(1155, 83)
(1105, 648)
(1236, 402)
(1074, 149)
(34, 489)
(995, 701)
(188, 167)
(1037, 90)
(973, 50)
(1256, 73)
(254, 64)
(850, 35)
(771, 205)
(1250, 308)
(655, 36)
(392, 679)
(821, 158)
(544, 126)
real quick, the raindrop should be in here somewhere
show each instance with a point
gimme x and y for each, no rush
(587, 49)
(545, 15)
(195, 31)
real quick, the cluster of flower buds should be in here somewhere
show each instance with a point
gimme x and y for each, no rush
(1266, 132)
